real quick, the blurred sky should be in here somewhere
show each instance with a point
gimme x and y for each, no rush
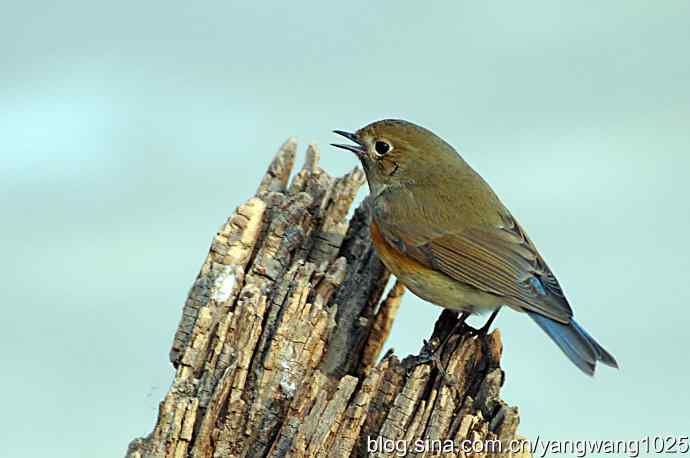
(129, 131)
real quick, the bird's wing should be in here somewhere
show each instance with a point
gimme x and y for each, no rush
(500, 260)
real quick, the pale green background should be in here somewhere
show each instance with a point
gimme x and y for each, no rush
(130, 130)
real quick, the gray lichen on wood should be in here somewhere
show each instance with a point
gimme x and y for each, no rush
(276, 351)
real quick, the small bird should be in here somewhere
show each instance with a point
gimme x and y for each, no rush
(443, 232)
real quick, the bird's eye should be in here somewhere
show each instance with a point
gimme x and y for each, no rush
(382, 147)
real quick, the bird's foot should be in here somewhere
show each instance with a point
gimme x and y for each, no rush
(430, 355)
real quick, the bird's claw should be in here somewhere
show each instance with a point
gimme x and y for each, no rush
(429, 354)
(428, 350)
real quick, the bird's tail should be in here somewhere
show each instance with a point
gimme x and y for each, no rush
(576, 343)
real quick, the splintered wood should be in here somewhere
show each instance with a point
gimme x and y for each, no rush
(277, 351)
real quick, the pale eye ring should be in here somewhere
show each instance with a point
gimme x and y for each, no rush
(382, 147)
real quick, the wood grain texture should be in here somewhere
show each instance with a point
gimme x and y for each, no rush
(277, 353)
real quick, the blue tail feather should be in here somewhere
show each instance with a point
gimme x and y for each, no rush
(575, 342)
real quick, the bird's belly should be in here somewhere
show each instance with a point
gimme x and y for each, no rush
(439, 289)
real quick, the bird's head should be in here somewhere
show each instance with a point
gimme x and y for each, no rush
(396, 152)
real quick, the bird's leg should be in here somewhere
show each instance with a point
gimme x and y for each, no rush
(484, 330)
(431, 354)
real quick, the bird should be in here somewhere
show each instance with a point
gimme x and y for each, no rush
(443, 232)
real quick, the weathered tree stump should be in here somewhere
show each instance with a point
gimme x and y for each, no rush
(278, 345)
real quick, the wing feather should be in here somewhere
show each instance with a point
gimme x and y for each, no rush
(500, 260)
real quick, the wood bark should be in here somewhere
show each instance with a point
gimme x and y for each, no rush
(277, 353)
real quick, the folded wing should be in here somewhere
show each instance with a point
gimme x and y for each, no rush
(500, 260)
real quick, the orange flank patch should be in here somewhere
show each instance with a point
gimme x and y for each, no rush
(395, 260)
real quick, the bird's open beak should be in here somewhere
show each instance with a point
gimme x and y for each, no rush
(359, 149)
